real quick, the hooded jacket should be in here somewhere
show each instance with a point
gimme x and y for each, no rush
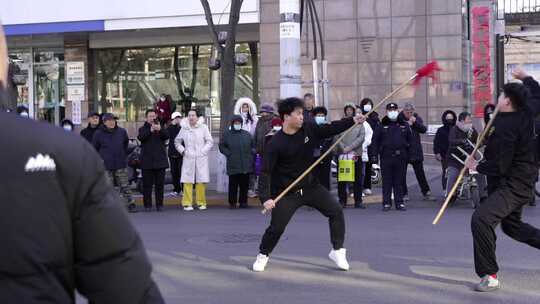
(249, 122)
(194, 143)
(238, 147)
(112, 145)
(69, 232)
(440, 142)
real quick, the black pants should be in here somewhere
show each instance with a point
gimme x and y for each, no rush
(317, 197)
(393, 168)
(444, 177)
(357, 185)
(238, 181)
(322, 171)
(367, 175)
(418, 167)
(176, 171)
(153, 178)
(505, 208)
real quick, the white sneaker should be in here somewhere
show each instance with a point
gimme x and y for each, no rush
(188, 208)
(487, 284)
(202, 207)
(340, 258)
(252, 194)
(367, 192)
(260, 263)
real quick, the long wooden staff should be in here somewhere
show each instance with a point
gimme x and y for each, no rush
(426, 71)
(462, 172)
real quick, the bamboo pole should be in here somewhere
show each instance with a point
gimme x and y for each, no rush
(308, 170)
(464, 169)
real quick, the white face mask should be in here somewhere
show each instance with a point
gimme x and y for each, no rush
(393, 115)
(490, 115)
(237, 127)
(277, 128)
(320, 120)
(162, 98)
(24, 114)
(367, 107)
(67, 128)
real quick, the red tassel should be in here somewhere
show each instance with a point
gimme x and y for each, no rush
(427, 71)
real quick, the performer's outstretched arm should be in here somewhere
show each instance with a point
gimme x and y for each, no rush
(334, 128)
(534, 99)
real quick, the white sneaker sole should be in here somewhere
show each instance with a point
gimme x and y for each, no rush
(337, 265)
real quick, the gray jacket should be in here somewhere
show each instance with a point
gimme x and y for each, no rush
(353, 140)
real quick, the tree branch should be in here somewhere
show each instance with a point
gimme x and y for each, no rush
(179, 83)
(211, 25)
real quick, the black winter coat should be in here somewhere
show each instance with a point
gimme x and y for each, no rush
(263, 127)
(374, 122)
(173, 131)
(69, 232)
(153, 154)
(238, 147)
(112, 146)
(416, 153)
(88, 133)
(440, 142)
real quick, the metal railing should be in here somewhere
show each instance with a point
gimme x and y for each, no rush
(519, 12)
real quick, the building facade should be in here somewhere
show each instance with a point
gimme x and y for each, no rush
(121, 58)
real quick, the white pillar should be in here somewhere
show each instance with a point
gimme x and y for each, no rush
(289, 45)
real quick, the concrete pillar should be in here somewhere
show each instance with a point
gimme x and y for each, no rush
(289, 45)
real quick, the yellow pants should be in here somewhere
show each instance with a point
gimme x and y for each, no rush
(200, 195)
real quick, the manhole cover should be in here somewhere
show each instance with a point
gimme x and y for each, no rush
(231, 238)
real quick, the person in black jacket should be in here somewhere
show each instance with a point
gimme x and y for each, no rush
(111, 142)
(175, 158)
(440, 143)
(153, 159)
(392, 141)
(289, 153)
(374, 122)
(322, 171)
(70, 232)
(93, 124)
(461, 136)
(309, 105)
(238, 146)
(509, 163)
(416, 153)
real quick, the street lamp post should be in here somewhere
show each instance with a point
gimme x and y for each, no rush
(289, 46)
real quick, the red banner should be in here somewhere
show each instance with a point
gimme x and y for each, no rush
(481, 59)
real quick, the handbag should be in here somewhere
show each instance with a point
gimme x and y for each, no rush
(346, 167)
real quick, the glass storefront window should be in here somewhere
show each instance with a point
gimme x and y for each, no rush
(129, 81)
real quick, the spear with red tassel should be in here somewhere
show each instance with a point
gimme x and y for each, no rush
(427, 71)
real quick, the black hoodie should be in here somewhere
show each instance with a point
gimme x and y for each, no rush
(440, 142)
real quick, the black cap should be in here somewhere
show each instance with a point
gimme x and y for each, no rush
(392, 106)
(108, 116)
(93, 113)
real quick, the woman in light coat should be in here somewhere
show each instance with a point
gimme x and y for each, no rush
(246, 108)
(194, 142)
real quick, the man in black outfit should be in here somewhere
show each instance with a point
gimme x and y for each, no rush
(153, 159)
(288, 155)
(322, 171)
(509, 165)
(93, 126)
(175, 158)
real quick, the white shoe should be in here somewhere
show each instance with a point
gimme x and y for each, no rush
(202, 207)
(260, 263)
(252, 194)
(188, 208)
(340, 258)
(487, 284)
(367, 192)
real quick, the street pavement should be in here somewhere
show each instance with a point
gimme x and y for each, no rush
(396, 257)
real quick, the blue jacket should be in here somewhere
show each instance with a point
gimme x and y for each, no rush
(112, 147)
(416, 153)
(391, 137)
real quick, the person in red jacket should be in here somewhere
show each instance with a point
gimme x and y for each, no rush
(164, 108)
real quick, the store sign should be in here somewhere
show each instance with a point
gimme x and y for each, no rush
(482, 78)
(75, 94)
(75, 72)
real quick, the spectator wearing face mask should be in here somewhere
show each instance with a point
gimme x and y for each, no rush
(22, 111)
(238, 145)
(391, 142)
(67, 125)
(374, 122)
(322, 171)
(459, 137)
(246, 108)
(441, 144)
